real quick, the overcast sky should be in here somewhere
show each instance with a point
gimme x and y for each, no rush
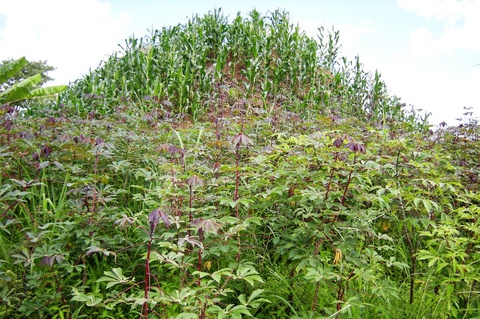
(428, 51)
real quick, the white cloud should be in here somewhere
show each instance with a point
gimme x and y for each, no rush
(460, 22)
(350, 35)
(447, 40)
(449, 10)
(424, 45)
(72, 35)
(432, 88)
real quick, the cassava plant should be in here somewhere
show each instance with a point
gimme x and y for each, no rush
(235, 168)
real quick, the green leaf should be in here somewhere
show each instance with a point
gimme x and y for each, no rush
(255, 294)
(318, 274)
(238, 310)
(249, 274)
(242, 299)
(114, 277)
(217, 276)
(27, 88)
(416, 201)
(21, 90)
(187, 315)
(89, 300)
(428, 205)
(9, 70)
(47, 91)
(180, 296)
(244, 201)
(228, 202)
(450, 289)
(253, 220)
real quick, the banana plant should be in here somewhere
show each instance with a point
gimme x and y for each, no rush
(26, 89)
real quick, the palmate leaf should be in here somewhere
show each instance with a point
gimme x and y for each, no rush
(114, 277)
(242, 139)
(89, 299)
(207, 225)
(154, 219)
(248, 273)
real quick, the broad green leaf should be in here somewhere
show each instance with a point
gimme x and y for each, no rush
(47, 91)
(9, 70)
(20, 91)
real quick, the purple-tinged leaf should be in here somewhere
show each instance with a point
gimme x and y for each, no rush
(351, 146)
(58, 259)
(165, 218)
(50, 120)
(338, 142)
(241, 139)
(92, 250)
(167, 103)
(9, 109)
(361, 148)
(149, 118)
(7, 125)
(356, 147)
(46, 261)
(348, 138)
(45, 151)
(123, 222)
(153, 219)
(172, 149)
(207, 225)
(63, 138)
(194, 181)
(335, 118)
(192, 240)
(50, 260)
(163, 148)
(99, 141)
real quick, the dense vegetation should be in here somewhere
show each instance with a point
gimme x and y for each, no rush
(231, 170)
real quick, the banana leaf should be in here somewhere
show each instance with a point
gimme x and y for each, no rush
(8, 70)
(21, 90)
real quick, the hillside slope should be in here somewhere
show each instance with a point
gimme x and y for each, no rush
(261, 178)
